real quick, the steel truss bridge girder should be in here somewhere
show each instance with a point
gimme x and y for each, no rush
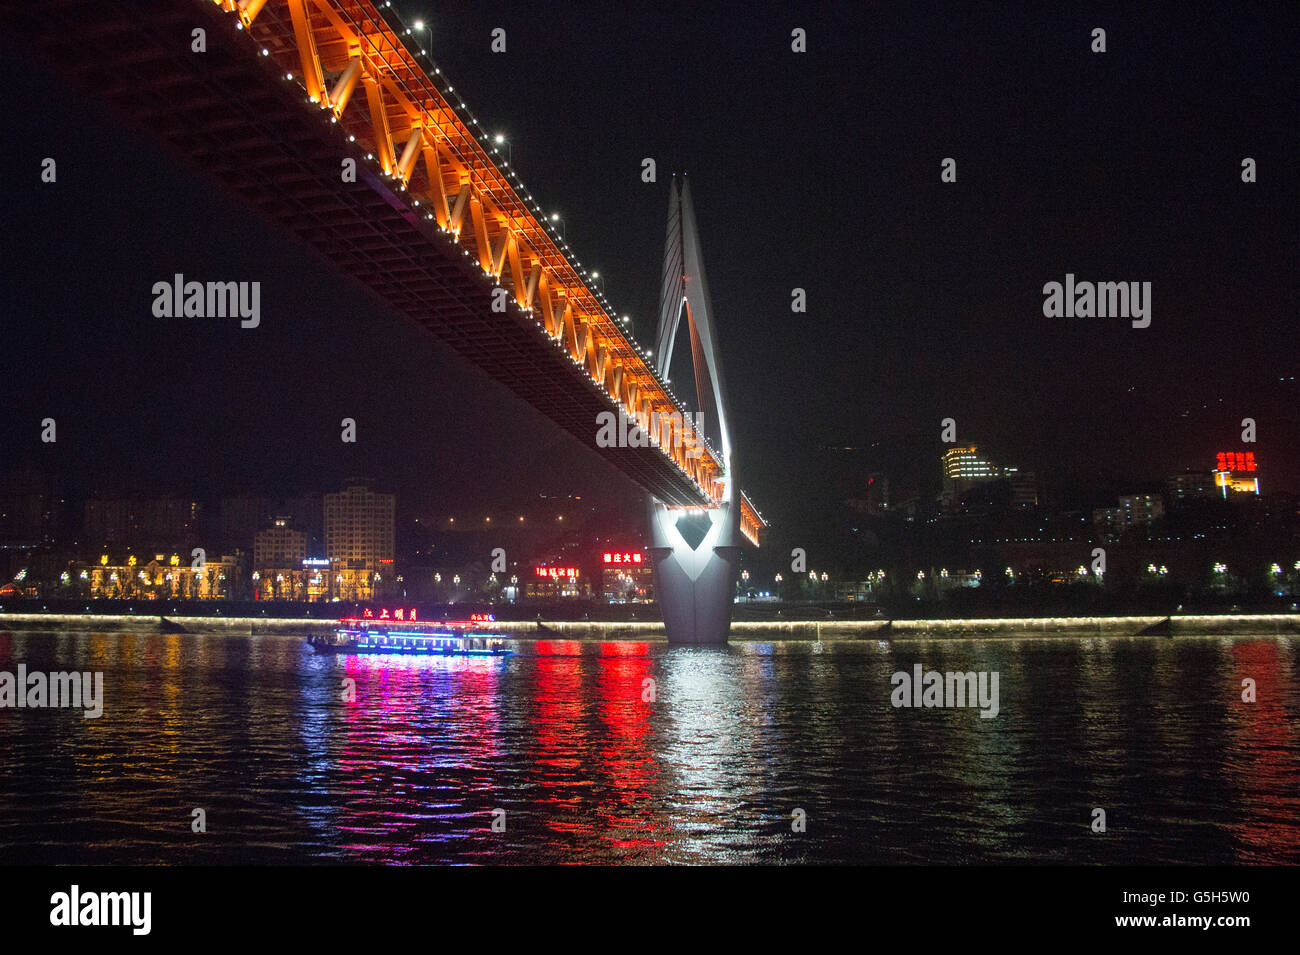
(230, 112)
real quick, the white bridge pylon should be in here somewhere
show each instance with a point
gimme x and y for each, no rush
(695, 551)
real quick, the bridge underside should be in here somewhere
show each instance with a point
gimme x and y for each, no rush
(228, 112)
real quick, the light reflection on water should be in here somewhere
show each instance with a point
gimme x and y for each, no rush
(593, 763)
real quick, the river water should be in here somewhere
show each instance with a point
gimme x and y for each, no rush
(636, 752)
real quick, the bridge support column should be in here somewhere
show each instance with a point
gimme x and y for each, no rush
(695, 586)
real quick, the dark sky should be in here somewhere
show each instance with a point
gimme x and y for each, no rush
(818, 170)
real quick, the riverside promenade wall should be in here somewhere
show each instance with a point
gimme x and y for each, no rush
(993, 627)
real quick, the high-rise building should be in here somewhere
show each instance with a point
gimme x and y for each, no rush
(108, 522)
(278, 555)
(965, 468)
(1134, 510)
(145, 522)
(241, 519)
(28, 506)
(305, 514)
(359, 541)
(1024, 488)
(967, 464)
(1189, 486)
(1141, 508)
(170, 520)
(24, 519)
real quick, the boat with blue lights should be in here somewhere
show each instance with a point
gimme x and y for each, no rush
(401, 632)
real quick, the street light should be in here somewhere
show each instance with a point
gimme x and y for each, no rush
(501, 140)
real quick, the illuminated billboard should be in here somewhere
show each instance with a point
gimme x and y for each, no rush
(1239, 461)
(633, 557)
(556, 572)
(1237, 472)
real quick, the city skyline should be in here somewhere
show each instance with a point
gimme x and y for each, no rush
(989, 515)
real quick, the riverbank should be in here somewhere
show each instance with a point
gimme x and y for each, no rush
(992, 627)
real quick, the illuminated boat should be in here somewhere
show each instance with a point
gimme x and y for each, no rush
(401, 632)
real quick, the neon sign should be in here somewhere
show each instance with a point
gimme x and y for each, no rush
(386, 614)
(625, 557)
(556, 573)
(1235, 461)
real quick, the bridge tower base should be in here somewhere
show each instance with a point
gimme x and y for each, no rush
(695, 586)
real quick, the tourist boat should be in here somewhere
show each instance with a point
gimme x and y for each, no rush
(397, 631)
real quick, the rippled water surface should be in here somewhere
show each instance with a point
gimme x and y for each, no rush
(254, 730)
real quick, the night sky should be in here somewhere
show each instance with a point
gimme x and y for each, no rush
(818, 170)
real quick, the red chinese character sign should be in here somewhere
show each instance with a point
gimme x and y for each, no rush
(556, 572)
(1240, 461)
(623, 557)
(387, 614)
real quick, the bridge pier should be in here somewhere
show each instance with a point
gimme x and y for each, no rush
(696, 561)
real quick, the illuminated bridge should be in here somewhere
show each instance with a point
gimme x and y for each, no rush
(286, 92)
